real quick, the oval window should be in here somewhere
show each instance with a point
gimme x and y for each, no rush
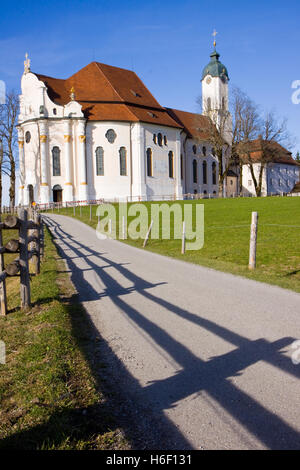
(111, 136)
(27, 137)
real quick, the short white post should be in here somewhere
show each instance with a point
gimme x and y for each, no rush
(74, 210)
(147, 235)
(90, 211)
(183, 239)
(253, 239)
(123, 227)
(109, 227)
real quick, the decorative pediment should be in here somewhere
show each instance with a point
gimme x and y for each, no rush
(73, 109)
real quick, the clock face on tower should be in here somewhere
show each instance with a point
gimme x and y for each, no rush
(208, 80)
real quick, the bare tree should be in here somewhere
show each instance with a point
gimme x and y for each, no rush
(8, 134)
(246, 127)
(263, 150)
(228, 129)
(4, 170)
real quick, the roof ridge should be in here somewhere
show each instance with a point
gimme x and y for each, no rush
(108, 81)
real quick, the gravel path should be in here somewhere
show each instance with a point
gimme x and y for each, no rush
(200, 359)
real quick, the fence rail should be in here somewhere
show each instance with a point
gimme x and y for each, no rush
(116, 200)
(30, 248)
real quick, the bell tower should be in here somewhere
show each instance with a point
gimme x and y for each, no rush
(215, 94)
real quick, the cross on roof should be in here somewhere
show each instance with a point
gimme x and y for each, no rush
(26, 64)
(214, 34)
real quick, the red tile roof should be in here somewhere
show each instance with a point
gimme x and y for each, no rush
(196, 125)
(109, 93)
(270, 151)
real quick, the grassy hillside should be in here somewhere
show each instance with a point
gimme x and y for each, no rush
(227, 232)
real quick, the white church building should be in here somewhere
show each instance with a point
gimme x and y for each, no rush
(100, 134)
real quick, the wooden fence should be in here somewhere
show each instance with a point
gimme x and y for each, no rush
(30, 248)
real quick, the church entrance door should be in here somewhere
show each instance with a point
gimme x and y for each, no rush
(57, 193)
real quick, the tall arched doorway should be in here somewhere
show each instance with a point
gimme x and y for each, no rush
(57, 193)
(30, 194)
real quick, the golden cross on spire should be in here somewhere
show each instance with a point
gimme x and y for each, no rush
(72, 93)
(26, 64)
(214, 34)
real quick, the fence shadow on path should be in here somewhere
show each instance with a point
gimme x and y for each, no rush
(212, 376)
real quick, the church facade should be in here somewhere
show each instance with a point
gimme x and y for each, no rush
(100, 134)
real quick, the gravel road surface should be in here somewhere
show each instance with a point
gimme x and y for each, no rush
(195, 358)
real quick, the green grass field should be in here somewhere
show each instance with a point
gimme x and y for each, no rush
(227, 234)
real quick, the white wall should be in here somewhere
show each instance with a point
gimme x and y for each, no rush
(282, 178)
(200, 187)
(112, 184)
(277, 178)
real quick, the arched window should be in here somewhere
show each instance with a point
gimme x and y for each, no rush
(99, 161)
(27, 137)
(149, 162)
(165, 140)
(195, 171)
(56, 161)
(159, 139)
(214, 173)
(154, 139)
(204, 169)
(208, 104)
(171, 165)
(204, 150)
(123, 166)
(223, 102)
(195, 149)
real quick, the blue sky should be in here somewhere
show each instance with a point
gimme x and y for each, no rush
(166, 43)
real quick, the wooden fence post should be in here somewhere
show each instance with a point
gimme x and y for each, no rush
(183, 239)
(3, 299)
(147, 235)
(253, 240)
(37, 235)
(42, 238)
(24, 268)
(123, 227)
